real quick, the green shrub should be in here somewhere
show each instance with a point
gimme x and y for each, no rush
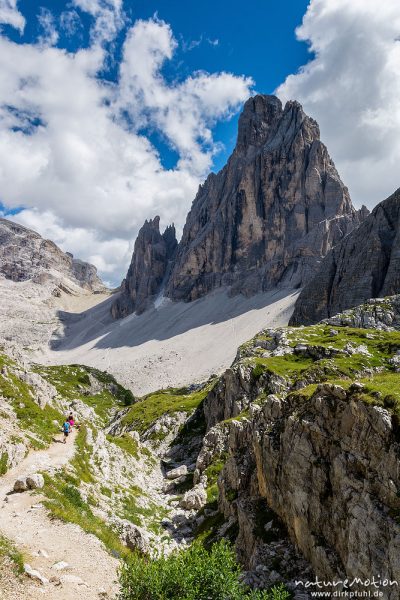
(192, 574)
(390, 401)
(257, 371)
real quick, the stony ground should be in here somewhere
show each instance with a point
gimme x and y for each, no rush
(91, 572)
(173, 345)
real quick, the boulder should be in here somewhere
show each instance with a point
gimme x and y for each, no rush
(136, 539)
(36, 575)
(20, 485)
(194, 499)
(35, 481)
(177, 472)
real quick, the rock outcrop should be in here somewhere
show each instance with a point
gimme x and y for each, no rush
(151, 259)
(326, 469)
(25, 255)
(376, 313)
(310, 459)
(270, 215)
(265, 220)
(364, 265)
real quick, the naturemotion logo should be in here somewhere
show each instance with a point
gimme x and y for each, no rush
(375, 587)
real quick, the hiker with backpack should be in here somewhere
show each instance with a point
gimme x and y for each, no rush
(66, 429)
(72, 422)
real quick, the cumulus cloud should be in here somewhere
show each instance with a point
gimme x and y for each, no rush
(352, 88)
(184, 112)
(108, 17)
(10, 15)
(74, 149)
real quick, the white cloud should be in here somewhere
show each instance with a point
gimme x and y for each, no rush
(184, 112)
(10, 15)
(108, 17)
(352, 88)
(87, 180)
(70, 23)
(50, 35)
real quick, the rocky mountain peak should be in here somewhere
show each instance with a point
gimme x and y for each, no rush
(25, 255)
(268, 217)
(259, 114)
(150, 263)
(265, 122)
(366, 264)
(169, 237)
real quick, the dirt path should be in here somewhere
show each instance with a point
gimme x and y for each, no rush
(91, 573)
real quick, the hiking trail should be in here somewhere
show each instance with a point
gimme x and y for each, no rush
(91, 573)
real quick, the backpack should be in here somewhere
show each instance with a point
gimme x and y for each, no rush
(66, 427)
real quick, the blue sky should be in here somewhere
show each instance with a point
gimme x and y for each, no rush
(113, 111)
(212, 36)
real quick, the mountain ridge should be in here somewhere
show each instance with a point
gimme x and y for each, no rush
(265, 219)
(26, 255)
(362, 266)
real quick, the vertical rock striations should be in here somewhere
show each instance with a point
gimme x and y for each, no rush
(364, 265)
(270, 215)
(319, 461)
(265, 220)
(148, 269)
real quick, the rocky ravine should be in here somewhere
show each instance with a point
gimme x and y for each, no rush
(364, 265)
(301, 452)
(266, 219)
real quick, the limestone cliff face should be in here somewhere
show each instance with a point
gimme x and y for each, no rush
(328, 470)
(151, 257)
(320, 461)
(265, 220)
(270, 215)
(364, 265)
(24, 255)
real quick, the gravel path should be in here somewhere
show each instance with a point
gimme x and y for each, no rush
(91, 573)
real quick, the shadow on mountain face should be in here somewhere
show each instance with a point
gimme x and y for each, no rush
(167, 321)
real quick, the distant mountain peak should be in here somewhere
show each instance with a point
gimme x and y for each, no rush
(26, 255)
(148, 269)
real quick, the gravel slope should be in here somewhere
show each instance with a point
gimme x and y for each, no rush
(174, 344)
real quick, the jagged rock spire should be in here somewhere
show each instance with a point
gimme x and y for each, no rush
(146, 273)
(270, 215)
(265, 220)
(366, 264)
